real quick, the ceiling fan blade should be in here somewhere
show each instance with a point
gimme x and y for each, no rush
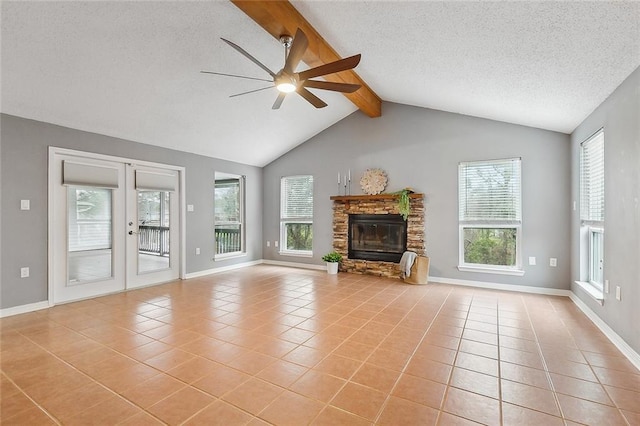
(298, 48)
(330, 85)
(235, 75)
(311, 98)
(248, 55)
(250, 91)
(279, 100)
(331, 67)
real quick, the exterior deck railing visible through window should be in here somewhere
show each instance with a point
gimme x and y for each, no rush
(153, 239)
(227, 240)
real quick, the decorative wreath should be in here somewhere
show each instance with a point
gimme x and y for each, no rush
(374, 181)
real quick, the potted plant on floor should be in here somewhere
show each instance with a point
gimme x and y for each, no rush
(332, 260)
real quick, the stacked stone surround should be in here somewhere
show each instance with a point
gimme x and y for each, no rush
(343, 206)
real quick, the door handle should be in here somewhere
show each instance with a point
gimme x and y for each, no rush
(132, 232)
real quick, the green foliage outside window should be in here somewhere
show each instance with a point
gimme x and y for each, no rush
(490, 246)
(299, 236)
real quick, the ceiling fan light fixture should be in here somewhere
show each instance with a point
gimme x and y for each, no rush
(286, 84)
(286, 87)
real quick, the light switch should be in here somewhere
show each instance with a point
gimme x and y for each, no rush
(606, 286)
(189, 207)
(25, 204)
(553, 262)
(268, 243)
(24, 272)
(197, 250)
(618, 296)
(532, 260)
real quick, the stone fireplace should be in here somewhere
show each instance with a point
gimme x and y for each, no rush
(374, 224)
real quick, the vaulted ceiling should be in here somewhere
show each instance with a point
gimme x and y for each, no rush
(132, 69)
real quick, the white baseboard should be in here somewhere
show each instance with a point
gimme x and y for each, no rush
(23, 309)
(618, 341)
(505, 287)
(295, 265)
(222, 269)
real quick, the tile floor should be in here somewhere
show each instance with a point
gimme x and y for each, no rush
(273, 345)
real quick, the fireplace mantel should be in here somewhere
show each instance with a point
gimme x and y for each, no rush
(371, 197)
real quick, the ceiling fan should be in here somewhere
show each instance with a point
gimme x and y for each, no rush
(287, 80)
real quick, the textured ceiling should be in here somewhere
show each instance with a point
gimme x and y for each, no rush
(131, 69)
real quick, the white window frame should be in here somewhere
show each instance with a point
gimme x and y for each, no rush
(596, 261)
(490, 223)
(286, 220)
(592, 219)
(241, 223)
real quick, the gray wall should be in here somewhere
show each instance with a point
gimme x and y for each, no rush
(24, 176)
(421, 148)
(620, 117)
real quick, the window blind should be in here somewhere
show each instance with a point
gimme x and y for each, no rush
(490, 190)
(156, 181)
(592, 178)
(297, 197)
(89, 175)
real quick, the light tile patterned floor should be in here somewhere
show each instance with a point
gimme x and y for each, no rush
(272, 345)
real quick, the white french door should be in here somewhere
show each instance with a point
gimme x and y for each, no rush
(152, 225)
(113, 225)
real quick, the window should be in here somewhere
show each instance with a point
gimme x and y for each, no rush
(490, 217)
(296, 215)
(592, 209)
(229, 215)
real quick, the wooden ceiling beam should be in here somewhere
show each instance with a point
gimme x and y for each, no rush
(281, 18)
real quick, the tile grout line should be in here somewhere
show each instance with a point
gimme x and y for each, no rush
(544, 363)
(590, 369)
(386, 401)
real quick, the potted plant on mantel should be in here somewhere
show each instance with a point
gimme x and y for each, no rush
(332, 260)
(404, 202)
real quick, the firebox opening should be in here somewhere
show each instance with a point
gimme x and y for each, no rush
(377, 237)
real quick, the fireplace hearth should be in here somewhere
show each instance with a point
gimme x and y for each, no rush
(377, 237)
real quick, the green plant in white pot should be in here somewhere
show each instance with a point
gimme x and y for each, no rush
(332, 259)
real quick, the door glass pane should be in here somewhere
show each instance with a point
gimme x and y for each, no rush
(89, 236)
(153, 231)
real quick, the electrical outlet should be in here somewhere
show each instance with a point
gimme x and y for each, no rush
(532, 260)
(24, 272)
(618, 296)
(268, 243)
(553, 262)
(197, 250)
(25, 205)
(275, 243)
(606, 286)
(189, 207)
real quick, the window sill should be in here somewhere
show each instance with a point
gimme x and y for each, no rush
(488, 270)
(593, 292)
(295, 253)
(227, 256)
